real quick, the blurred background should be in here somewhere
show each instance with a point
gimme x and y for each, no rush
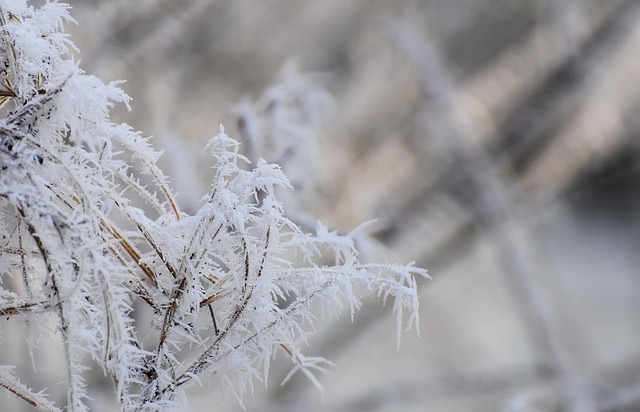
(495, 142)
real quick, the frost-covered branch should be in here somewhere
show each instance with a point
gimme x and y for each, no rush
(86, 233)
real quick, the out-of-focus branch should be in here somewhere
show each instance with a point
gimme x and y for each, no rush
(491, 204)
(513, 105)
(151, 28)
(596, 130)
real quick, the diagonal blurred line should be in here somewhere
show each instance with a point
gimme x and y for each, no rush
(532, 124)
(152, 33)
(492, 208)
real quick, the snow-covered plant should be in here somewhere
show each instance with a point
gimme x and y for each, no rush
(281, 127)
(156, 298)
